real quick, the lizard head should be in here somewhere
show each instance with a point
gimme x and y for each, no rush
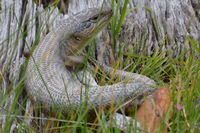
(87, 24)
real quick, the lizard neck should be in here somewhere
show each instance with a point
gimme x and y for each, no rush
(51, 47)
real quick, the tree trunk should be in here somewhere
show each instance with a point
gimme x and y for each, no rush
(154, 25)
(166, 27)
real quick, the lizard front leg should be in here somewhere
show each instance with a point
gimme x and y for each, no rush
(124, 75)
(74, 61)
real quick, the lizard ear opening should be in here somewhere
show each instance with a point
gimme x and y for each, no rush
(77, 38)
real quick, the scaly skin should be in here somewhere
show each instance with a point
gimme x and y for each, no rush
(48, 80)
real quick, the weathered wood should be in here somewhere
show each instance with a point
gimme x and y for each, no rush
(166, 28)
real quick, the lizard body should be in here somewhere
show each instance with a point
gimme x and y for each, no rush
(48, 80)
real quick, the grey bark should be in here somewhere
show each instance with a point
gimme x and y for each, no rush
(166, 28)
(22, 22)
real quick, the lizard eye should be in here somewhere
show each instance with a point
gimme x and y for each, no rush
(94, 18)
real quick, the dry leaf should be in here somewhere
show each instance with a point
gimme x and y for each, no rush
(150, 114)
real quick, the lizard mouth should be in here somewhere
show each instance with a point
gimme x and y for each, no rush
(106, 16)
(104, 19)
